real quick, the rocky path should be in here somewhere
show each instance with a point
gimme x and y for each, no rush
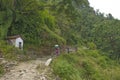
(30, 70)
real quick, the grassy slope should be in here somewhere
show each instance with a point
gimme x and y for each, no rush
(86, 65)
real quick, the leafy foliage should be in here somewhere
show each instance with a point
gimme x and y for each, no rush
(64, 22)
(44, 23)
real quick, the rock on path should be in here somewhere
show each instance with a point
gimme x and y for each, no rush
(25, 71)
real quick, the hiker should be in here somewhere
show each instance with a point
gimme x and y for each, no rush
(68, 50)
(57, 50)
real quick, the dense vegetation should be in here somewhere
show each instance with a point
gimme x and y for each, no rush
(44, 23)
(65, 22)
(86, 65)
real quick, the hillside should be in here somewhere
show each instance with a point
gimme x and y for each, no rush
(86, 65)
(71, 22)
(68, 23)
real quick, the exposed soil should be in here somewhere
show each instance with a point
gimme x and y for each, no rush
(29, 70)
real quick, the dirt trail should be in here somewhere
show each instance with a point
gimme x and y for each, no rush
(27, 71)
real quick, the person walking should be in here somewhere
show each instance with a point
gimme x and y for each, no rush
(57, 50)
(68, 50)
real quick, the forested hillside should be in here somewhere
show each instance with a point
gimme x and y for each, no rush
(44, 23)
(63, 22)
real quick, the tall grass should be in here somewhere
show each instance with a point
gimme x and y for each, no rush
(85, 65)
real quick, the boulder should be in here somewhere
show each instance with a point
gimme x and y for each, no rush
(47, 63)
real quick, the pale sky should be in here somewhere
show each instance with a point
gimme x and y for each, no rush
(107, 6)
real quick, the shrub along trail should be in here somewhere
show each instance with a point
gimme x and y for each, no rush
(28, 71)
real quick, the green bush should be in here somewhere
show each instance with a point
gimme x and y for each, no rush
(91, 45)
(85, 65)
(88, 70)
(65, 68)
(12, 53)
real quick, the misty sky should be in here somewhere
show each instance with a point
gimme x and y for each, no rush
(107, 6)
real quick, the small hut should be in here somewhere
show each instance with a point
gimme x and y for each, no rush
(16, 40)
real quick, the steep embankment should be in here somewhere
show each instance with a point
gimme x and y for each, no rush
(86, 64)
